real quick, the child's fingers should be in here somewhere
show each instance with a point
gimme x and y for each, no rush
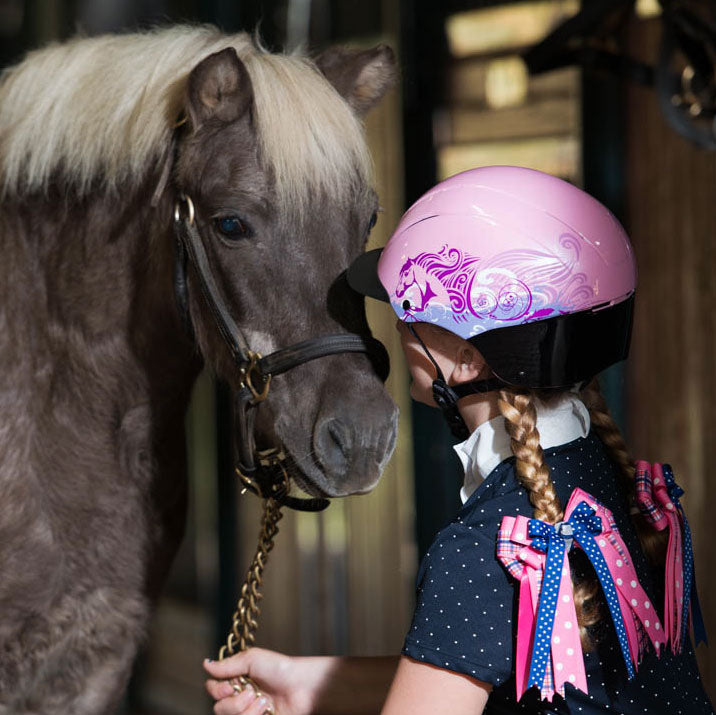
(229, 667)
(219, 689)
(219, 686)
(244, 703)
(236, 704)
(260, 706)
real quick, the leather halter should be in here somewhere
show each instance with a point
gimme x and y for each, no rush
(265, 472)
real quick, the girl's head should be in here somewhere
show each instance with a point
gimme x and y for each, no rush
(533, 272)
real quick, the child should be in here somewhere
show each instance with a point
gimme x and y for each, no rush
(553, 590)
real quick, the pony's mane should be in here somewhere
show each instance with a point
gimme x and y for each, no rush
(102, 110)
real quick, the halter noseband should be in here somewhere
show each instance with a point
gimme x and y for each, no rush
(265, 472)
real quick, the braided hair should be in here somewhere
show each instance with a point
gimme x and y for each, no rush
(519, 410)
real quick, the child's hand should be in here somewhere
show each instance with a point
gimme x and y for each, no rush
(288, 685)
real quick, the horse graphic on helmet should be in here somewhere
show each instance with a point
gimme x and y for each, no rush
(513, 286)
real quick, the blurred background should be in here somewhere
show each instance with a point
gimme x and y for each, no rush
(617, 96)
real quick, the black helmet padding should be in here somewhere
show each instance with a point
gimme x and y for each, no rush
(559, 352)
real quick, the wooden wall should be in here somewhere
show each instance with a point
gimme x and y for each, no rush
(671, 217)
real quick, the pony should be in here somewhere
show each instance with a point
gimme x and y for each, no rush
(99, 139)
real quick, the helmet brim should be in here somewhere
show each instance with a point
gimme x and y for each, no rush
(362, 276)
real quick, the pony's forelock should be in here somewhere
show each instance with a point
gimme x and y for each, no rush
(100, 112)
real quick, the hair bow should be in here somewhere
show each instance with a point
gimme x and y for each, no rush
(548, 649)
(535, 553)
(657, 495)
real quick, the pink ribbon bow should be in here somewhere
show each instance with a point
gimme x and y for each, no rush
(655, 504)
(640, 618)
(527, 565)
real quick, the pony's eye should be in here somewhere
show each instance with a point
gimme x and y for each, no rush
(233, 227)
(373, 221)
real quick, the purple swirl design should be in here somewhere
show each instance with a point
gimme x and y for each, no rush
(520, 285)
(457, 301)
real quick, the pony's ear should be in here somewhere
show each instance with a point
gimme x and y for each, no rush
(361, 76)
(218, 87)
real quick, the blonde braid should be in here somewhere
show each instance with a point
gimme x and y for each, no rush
(520, 415)
(654, 543)
(521, 424)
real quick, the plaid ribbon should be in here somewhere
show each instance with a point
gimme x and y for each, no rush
(658, 497)
(656, 505)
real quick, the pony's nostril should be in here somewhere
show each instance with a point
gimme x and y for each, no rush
(341, 436)
(334, 444)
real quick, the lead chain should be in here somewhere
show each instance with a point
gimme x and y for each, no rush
(245, 619)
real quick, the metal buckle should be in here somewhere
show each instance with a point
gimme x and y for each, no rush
(565, 530)
(274, 461)
(189, 209)
(249, 373)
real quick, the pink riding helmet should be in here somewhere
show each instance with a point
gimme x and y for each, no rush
(535, 272)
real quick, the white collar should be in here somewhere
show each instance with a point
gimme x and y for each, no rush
(558, 423)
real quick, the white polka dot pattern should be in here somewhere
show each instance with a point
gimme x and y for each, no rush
(632, 602)
(466, 621)
(586, 524)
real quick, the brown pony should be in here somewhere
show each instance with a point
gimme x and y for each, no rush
(95, 365)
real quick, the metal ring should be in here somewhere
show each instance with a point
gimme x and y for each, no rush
(189, 207)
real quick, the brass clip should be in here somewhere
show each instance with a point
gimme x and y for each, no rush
(248, 482)
(252, 371)
(275, 459)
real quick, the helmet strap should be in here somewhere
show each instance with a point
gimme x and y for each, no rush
(446, 397)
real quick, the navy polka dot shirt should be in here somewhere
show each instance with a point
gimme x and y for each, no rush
(465, 615)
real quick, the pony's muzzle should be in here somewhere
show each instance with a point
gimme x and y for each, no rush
(352, 455)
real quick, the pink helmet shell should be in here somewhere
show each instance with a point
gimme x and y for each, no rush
(501, 246)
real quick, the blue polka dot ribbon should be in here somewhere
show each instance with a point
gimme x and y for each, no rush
(582, 526)
(585, 529)
(549, 540)
(691, 597)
